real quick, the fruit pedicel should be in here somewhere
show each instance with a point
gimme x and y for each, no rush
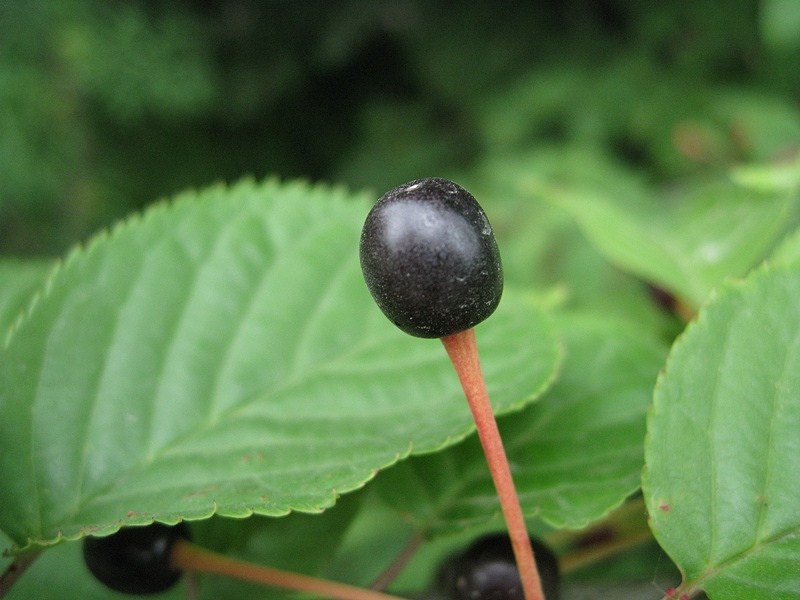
(431, 262)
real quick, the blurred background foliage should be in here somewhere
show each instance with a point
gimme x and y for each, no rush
(106, 105)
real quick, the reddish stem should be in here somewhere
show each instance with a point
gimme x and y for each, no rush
(189, 557)
(463, 351)
(16, 569)
(399, 563)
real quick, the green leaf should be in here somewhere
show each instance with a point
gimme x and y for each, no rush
(221, 354)
(783, 177)
(722, 478)
(18, 282)
(299, 543)
(788, 252)
(760, 127)
(575, 455)
(780, 24)
(688, 243)
(373, 541)
(542, 245)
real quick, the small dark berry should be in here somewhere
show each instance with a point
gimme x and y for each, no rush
(430, 258)
(135, 560)
(487, 571)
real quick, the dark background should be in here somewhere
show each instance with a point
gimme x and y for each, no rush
(107, 105)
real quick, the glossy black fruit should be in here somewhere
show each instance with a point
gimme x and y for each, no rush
(430, 258)
(135, 560)
(487, 571)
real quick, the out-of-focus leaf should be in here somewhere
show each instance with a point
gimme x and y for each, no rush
(18, 282)
(542, 246)
(780, 24)
(688, 243)
(777, 178)
(788, 252)
(759, 126)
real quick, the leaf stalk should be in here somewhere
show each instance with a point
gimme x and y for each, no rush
(15, 570)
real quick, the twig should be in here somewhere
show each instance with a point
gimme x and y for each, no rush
(15, 570)
(188, 557)
(398, 564)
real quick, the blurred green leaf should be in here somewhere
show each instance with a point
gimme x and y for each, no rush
(221, 354)
(149, 48)
(788, 252)
(18, 282)
(760, 126)
(775, 179)
(688, 242)
(721, 453)
(780, 24)
(382, 158)
(542, 246)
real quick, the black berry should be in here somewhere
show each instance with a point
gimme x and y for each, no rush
(487, 571)
(430, 258)
(135, 560)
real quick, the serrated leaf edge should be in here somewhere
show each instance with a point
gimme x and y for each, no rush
(80, 250)
(729, 287)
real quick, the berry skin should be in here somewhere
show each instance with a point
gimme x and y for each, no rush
(487, 571)
(430, 258)
(135, 560)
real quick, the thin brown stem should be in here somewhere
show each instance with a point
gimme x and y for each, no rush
(15, 570)
(463, 351)
(188, 557)
(398, 564)
(587, 556)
